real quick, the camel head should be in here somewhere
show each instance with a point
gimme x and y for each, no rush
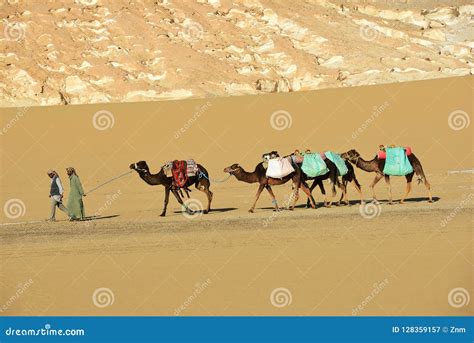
(232, 169)
(140, 166)
(351, 155)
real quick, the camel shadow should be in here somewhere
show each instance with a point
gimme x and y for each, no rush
(423, 199)
(90, 218)
(215, 210)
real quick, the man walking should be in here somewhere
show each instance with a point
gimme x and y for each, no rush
(56, 194)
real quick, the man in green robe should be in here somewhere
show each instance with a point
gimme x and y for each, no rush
(74, 201)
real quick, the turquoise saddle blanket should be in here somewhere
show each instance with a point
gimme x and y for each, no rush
(338, 161)
(397, 163)
(313, 165)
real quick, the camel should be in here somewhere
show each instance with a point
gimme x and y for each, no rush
(349, 177)
(200, 181)
(376, 165)
(259, 176)
(318, 181)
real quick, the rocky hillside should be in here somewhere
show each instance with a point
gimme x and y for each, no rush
(92, 51)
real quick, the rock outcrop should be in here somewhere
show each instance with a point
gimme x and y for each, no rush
(94, 51)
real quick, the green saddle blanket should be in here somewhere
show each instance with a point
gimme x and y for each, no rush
(338, 161)
(313, 165)
(397, 163)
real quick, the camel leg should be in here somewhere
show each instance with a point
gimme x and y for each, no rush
(359, 190)
(204, 187)
(409, 178)
(167, 198)
(272, 195)
(377, 178)
(259, 191)
(295, 195)
(307, 190)
(176, 195)
(421, 174)
(389, 188)
(333, 193)
(428, 187)
(313, 186)
(333, 180)
(343, 187)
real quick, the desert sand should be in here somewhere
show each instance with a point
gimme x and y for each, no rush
(99, 51)
(331, 261)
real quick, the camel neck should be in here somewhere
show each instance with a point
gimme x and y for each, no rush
(368, 166)
(153, 179)
(245, 176)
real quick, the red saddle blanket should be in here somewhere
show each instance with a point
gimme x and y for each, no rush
(180, 175)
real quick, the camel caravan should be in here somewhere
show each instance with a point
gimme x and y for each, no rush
(301, 168)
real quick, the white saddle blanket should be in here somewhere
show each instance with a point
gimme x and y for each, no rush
(280, 167)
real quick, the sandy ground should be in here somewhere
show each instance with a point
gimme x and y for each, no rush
(404, 261)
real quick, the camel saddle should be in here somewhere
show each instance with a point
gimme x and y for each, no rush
(396, 162)
(382, 154)
(314, 165)
(268, 156)
(279, 167)
(181, 170)
(180, 175)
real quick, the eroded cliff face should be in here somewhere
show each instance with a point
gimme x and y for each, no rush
(93, 51)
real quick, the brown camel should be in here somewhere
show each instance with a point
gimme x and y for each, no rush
(200, 181)
(349, 177)
(259, 176)
(318, 181)
(376, 165)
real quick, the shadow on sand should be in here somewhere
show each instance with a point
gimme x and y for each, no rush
(214, 210)
(90, 218)
(357, 202)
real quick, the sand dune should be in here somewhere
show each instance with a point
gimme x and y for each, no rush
(394, 260)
